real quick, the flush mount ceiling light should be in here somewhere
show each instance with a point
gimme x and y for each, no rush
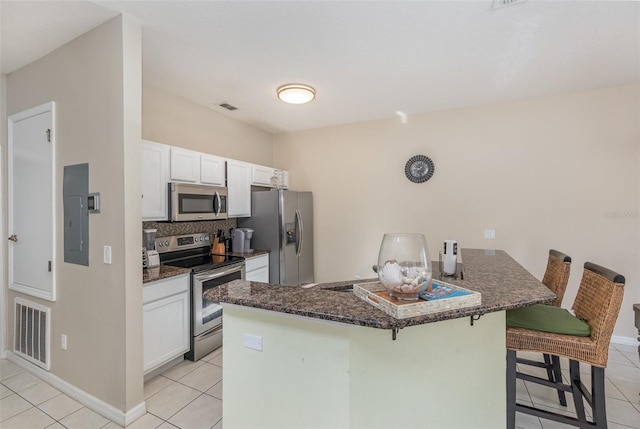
(296, 93)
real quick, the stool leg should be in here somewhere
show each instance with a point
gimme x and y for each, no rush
(511, 389)
(549, 367)
(597, 394)
(558, 379)
(574, 371)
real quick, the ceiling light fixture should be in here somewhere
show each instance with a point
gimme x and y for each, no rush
(296, 93)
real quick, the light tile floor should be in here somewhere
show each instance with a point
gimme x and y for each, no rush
(189, 396)
(622, 389)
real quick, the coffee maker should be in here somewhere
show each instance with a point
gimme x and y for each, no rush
(241, 240)
(150, 257)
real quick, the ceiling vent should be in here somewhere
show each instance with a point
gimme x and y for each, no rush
(228, 107)
(497, 4)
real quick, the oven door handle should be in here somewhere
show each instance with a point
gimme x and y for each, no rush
(216, 274)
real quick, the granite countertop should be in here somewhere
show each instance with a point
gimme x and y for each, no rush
(253, 254)
(162, 272)
(166, 271)
(503, 283)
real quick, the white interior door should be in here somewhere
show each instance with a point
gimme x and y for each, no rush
(31, 215)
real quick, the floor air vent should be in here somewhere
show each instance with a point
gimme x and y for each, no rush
(31, 332)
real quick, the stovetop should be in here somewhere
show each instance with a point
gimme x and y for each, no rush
(192, 251)
(206, 262)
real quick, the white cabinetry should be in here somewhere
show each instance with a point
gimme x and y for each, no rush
(257, 268)
(165, 320)
(155, 175)
(185, 165)
(261, 175)
(196, 167)
(211, 170)
(239, 188)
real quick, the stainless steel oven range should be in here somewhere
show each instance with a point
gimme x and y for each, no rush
(207, 272)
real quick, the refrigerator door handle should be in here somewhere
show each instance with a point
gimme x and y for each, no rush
(300, 231)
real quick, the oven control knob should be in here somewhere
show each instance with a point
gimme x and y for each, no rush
(166, 243)
(206, 238)
(160, 244)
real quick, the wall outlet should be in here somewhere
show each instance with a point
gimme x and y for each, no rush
(253, 342)
(63, 342)
(490, 234)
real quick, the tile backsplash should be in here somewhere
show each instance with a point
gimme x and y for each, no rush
(180, 228)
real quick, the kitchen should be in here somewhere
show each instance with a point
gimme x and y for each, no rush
(187, 196)
(356, 168)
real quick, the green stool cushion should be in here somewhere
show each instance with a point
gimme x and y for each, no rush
(547, 318)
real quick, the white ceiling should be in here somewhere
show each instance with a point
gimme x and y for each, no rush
(367, 60)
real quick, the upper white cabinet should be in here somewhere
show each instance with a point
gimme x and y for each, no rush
(196, 167)
(261, 175)
(239, 188)
(155, 176)
(185, 165)
(212, 170)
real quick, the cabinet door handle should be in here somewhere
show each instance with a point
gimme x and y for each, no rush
(13, 238)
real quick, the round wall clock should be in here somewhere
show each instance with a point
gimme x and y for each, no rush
(419, 168)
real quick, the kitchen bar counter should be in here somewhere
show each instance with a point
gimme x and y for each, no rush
(285, 355)
(503, 283)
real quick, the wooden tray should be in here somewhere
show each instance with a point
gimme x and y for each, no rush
(376, 294)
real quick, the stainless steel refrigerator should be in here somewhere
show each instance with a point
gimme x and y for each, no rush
(282, 222)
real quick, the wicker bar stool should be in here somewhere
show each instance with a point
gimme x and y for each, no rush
(556, 277)
(598, 304)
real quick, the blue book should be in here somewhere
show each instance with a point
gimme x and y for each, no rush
(441, 291)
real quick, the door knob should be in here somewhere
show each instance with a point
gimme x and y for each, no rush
(13, 238)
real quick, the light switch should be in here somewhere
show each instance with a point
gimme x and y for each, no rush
(107, 255)
(490, 234)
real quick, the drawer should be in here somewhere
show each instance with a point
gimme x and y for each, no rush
(163, 288)
(256, 262)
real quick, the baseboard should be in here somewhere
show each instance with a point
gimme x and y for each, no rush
(89, 401)
(627, 341)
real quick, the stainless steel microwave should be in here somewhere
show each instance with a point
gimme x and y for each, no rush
(189, 202)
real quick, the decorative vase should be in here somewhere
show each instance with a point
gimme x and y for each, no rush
(404, 265)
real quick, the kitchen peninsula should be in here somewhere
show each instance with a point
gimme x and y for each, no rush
(322, 357)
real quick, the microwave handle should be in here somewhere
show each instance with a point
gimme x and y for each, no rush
(219, 203)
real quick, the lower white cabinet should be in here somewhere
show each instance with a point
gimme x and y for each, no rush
(165, 320)
(257, 268)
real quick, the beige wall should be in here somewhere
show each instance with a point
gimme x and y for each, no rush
(95, 81)
(176, 121)
(554, 172)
